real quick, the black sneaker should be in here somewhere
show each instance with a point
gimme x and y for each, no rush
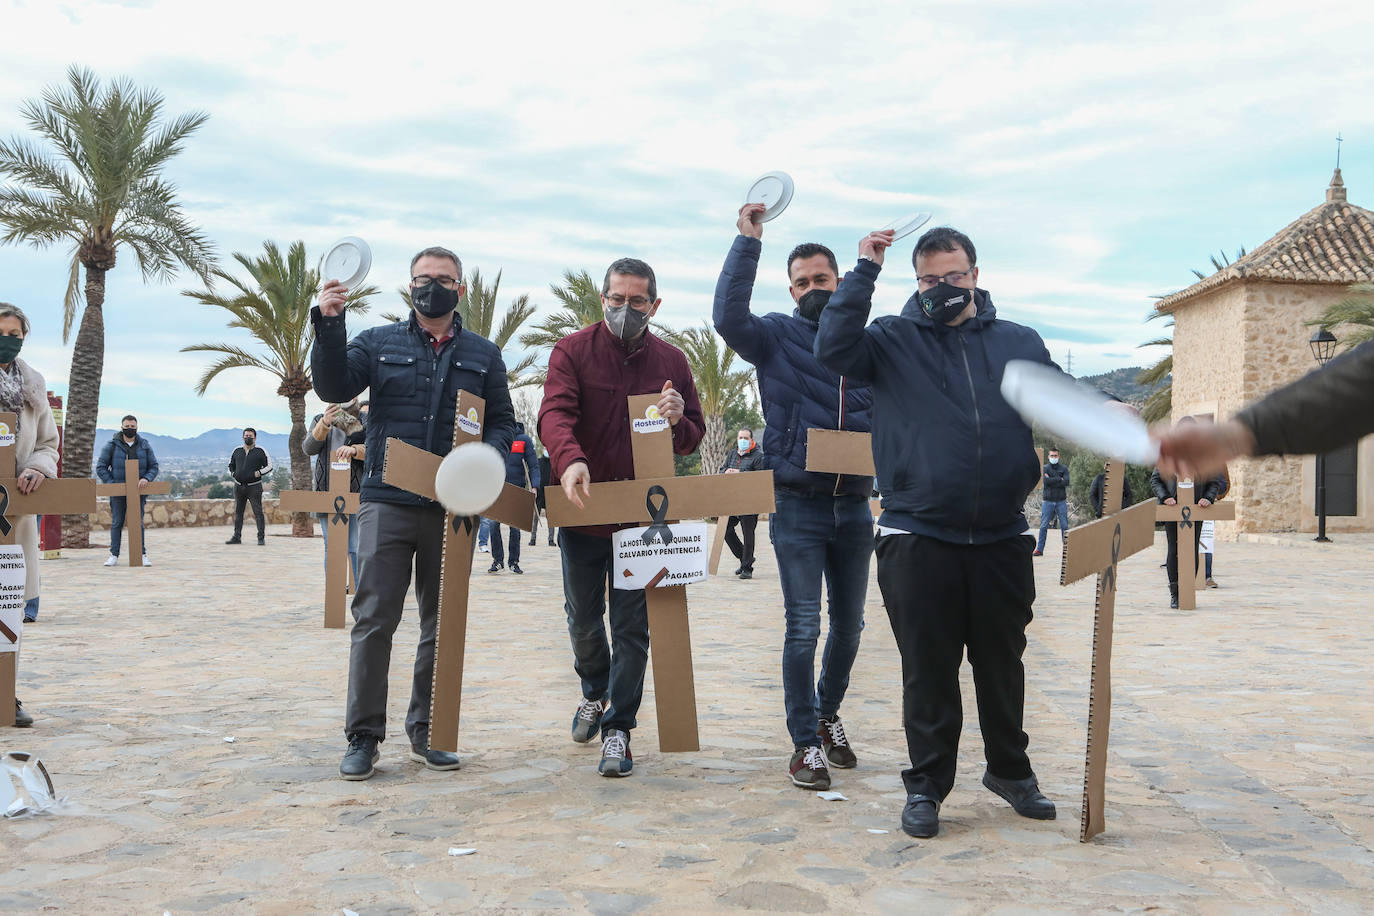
(587, 720)
(921, 816)
(532, 542)
(747, 574)
(515, 568)
(361, 757)
(495, 568)
(836, 744)
(421, 752)
(262, 542)
(21, 718)
(808, 770)
(615, 753)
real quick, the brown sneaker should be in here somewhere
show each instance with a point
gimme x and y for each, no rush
(1211, 583)
(835, 744)
(808, 768)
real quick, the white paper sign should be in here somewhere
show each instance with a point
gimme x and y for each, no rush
(1209, 531)
(11, 596)
(685, 558)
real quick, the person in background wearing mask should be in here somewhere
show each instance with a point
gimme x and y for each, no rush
(582, 424)
(954, 562)
(821, 528)
(413, 371)
(338, 434)
(1054, 499)
(126, 444)
(521, 466)
(249, 465)
(746, 456)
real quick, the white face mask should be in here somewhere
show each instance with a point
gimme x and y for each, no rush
(1054, 461)
(744, 445)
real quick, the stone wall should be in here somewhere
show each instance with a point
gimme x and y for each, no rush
(192, 513)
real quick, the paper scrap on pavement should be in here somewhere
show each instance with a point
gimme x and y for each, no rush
(460, 851)
(832, 796)
(876, 830)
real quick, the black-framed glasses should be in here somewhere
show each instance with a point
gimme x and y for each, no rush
(445, 282)
(639, 303)
(952, 278)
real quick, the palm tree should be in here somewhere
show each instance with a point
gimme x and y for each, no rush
(477, 310)
(719, 386)
(581, 298)
(275, 309)
(1357, 310)
(96, 181)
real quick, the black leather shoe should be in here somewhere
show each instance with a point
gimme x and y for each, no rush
(747, 574)
(262, 542)
(1023, 795)
(1173, 603)
(532, 542)
(435, 760)
(921, 816)
(21, 718)
(234, 540)
(360, 759)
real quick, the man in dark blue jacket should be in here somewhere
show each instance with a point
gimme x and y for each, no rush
(110, 469)
(414, 370)
(1054, 499)
(821, 526)
(521, 466)
(955, 465)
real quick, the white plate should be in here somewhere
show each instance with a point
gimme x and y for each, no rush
(1043, 395)
(906, 225)
(774, 191)
(348, 260)
(470, 479)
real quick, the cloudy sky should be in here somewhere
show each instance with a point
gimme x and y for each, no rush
(1095, 153)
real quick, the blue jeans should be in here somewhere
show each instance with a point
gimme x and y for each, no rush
(815, 536)
(498, 552)
(118, 508)
(614, 669)
(1048, 510)
(31, 609)
(352, 540)
(484, 532)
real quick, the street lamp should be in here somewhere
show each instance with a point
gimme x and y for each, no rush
(1323, 344)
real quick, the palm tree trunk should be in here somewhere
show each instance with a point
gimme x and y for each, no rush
(83, 400)
(713, 444)
(302, 525)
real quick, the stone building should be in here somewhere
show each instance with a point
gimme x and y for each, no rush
(1242, 331)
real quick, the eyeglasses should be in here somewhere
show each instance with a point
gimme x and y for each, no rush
(951, 278)
(445, 282)
(636, 302)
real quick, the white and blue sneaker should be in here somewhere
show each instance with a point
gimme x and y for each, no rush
(615, 753)
(587, 720)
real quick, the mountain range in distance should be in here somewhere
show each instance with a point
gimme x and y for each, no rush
(214, 443)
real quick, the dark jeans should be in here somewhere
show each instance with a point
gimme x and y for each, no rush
(940, 598)
(119, 505)
(743, 550)
(1171, 558)
(391, 538)
(1048, 510)
(815, 537)
(614, 669)
(498, 553)
(252, 493)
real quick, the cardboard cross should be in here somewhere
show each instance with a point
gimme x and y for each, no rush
(412, 469)
(1187, 514)
(60, 496)
(1097, 548)
(624, 502)
(340, 505)
(133, 506)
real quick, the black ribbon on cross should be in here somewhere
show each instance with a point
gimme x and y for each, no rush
(340, 518)
(1187, 521)
(1109, 574)
(659, 528)
(5, 526)
(464, 520)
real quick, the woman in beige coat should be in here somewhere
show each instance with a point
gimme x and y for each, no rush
(22, 392)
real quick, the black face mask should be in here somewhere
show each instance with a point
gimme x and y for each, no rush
(248, 441)
(625, 322)
(130, 434)
(942, 303)
(811, 303)
(433, 300)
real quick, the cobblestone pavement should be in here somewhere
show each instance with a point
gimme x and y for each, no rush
(1239, 779)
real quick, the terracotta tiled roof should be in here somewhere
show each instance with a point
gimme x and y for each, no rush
(1331, 243)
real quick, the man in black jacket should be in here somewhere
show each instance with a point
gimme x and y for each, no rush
(249, 464)
(414, 370)
(954, 562)
(1165, 489)
(1095, 491)
(745, 456)
(1054, 499)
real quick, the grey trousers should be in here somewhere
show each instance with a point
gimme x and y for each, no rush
(390, 538)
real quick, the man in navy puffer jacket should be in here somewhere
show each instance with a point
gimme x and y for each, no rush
(955, 465)
(521, 466)
(821, 525)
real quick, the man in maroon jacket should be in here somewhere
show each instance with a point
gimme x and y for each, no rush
(584, 423)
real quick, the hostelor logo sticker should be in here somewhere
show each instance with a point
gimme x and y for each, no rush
(469, 423)
(651, 422)
(6, 434)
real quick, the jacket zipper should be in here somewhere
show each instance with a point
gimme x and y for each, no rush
(978, 432)
(839, 478)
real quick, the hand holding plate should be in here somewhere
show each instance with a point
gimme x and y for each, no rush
(332, 299)
(750, 220)
(875, 244)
